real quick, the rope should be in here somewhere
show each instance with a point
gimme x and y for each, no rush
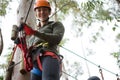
(9, 67)
(14, 65)
(87, 60)
(28, 11)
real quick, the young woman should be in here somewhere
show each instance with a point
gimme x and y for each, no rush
(46, 59)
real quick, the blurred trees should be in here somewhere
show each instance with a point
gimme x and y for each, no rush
(3, 6)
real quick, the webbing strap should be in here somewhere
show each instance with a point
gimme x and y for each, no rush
(39, 63)
(47, 53)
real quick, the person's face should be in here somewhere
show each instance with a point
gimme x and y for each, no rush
(42, 13)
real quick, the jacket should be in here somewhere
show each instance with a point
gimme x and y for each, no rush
(52, 34)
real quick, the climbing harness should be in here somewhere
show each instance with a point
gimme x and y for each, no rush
(41, 53)
(47, 53)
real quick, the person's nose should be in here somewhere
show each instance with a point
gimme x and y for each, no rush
(42, 11)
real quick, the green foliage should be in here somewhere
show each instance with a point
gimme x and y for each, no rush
(75, 69)
(1, 77)
(64, 7)
(64, 41)
(92, 11)
(114, 28)
(116, 54)
(9, 54)
(118, 36)
(3, 6)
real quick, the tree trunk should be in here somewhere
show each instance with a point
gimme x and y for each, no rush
(1, 42)
(21, 14)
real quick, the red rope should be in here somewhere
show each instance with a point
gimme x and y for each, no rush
(23, 46)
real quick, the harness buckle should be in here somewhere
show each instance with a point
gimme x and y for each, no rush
(41, 54)
(43, 44)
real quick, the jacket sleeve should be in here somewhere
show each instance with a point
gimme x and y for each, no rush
(55, 37)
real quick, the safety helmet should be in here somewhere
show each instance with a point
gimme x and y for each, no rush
(42, 3)
(94, 78)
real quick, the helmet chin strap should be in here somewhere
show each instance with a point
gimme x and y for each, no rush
(39, 23)
(44, 20)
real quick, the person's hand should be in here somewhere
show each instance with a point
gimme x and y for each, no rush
(28, 30)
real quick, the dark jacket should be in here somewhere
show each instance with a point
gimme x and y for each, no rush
(51, 33)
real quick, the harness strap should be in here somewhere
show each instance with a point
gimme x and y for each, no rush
(27, 59)
(47, 53)
(39, 63)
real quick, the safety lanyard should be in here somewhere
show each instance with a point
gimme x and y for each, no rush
(101, 73)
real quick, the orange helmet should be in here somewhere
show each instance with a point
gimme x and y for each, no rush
(42, 3)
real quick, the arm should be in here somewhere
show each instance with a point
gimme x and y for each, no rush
(55, 37)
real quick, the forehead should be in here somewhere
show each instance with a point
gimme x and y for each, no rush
(42, 8)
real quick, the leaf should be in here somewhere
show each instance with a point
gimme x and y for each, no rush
(3, 6)
(114, 28)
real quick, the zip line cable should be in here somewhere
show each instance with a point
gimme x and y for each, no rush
(88, 60)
